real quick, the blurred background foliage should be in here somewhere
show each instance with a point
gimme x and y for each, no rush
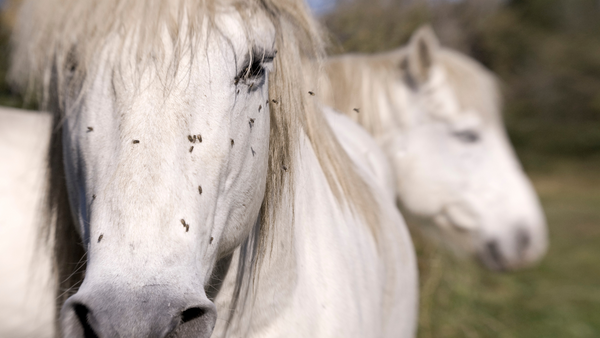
(545, 52)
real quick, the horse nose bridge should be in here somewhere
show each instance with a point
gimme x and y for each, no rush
(150, 157)
(155, 312)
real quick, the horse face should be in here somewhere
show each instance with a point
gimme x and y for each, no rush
(166, 175)
(460, 171)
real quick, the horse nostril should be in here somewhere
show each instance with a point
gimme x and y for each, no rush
(194, 320)
(94, 314)
(83, 314)
(191, 314)
(495, 255)
(523, 241)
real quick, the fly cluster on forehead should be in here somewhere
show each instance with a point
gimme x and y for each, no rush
(252, 74)
(185, 225)
(194, 138)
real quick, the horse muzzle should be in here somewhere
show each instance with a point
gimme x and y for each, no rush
(150, 311)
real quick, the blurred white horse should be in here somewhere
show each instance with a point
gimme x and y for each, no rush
(199, 171)
(436, 113)
(26, 303)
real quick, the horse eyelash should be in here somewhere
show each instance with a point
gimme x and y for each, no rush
(254, 69)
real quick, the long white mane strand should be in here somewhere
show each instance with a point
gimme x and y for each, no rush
(55, 39)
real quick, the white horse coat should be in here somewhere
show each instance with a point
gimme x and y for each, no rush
(26, 300)
(326, 269)
(27, 296)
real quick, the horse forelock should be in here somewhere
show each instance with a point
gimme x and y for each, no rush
(52, 33)
(475, 87)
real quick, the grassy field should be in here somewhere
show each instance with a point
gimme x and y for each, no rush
(559, 298)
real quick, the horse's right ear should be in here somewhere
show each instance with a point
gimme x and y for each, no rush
(421, 55)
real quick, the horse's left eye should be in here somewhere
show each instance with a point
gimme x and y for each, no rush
(254, 70)
(467, 136)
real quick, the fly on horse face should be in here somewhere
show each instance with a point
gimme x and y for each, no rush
(436, 114)
(264, 229)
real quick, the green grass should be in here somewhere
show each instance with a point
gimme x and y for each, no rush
(558, 298)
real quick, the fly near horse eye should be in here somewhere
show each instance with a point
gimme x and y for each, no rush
(211, 239)
(199, 138)
(100, 238)
(200, 189)
(232, 142)
(136, 141)
(191, 148)
(90, 129)
(259, 108)
(93, 197)
(195, 138)
(182, 221)
(311, 93)
(275, 101)
(190, 138)
(356, 110)
(251, 123)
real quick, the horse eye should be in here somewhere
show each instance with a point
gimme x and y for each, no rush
(255, 69)
(467, 136)
(71, 61)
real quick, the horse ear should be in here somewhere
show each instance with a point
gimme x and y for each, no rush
(422, 53)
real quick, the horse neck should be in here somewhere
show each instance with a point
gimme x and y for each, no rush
(314, 251)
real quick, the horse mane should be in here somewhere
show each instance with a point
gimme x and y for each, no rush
(369, 82)
(467, 76)
(53, 35)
